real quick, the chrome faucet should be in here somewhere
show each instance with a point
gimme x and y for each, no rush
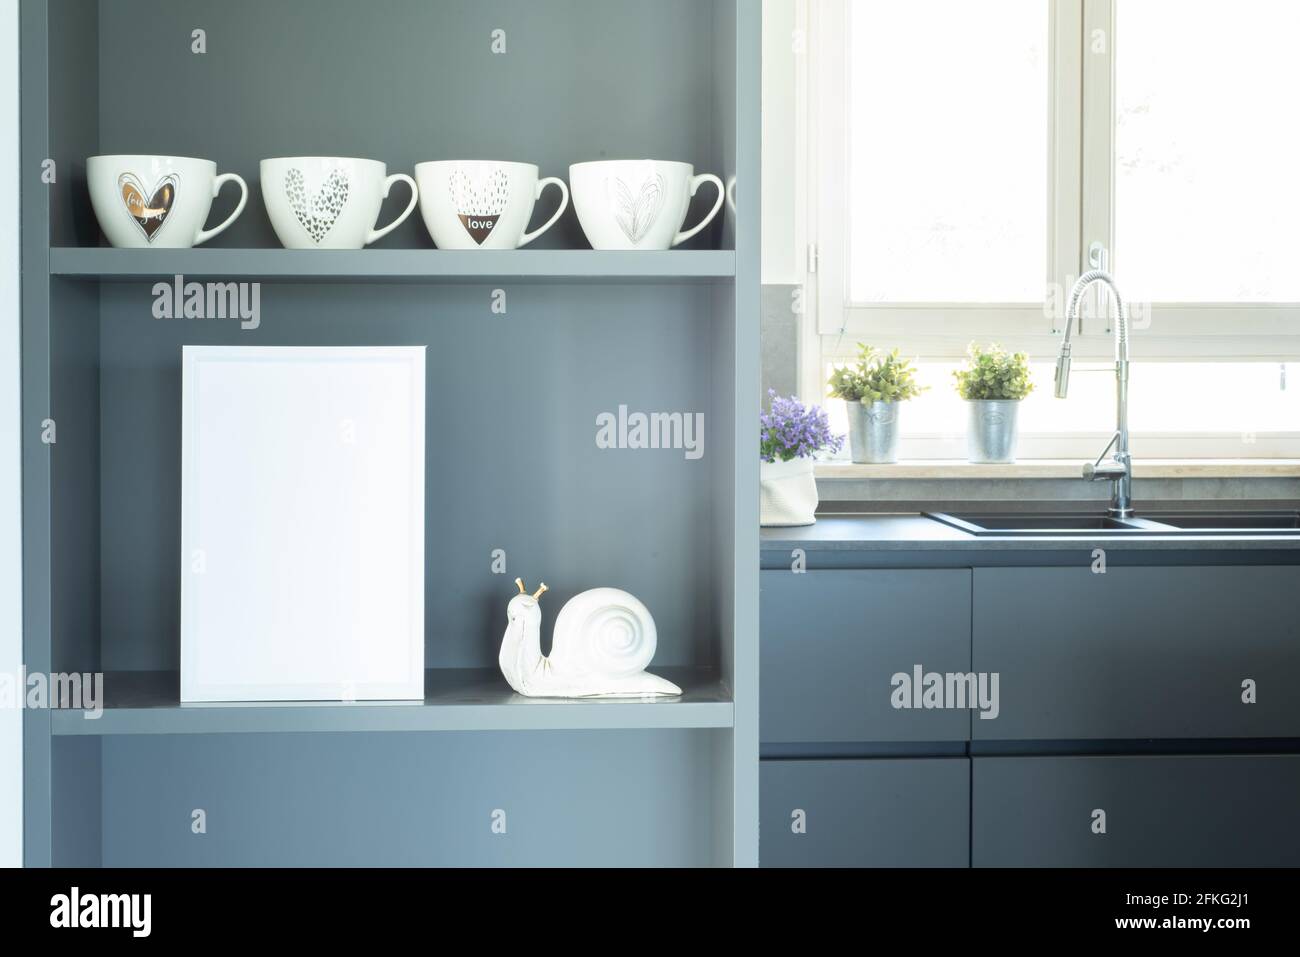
(1119, 468)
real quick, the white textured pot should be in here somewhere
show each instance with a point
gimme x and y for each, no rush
(787, 493)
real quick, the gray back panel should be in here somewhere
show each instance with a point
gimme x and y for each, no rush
(403, 81)
(627, 798)
(75, 802)
(74, 478)
(73, 127)
(512, 461)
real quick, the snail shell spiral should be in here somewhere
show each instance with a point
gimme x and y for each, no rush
(604, 631)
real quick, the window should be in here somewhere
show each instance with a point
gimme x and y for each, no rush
(922, 227)
(1206, 150)
(966, 160)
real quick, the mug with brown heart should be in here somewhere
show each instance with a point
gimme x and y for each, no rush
(158, 202)
(483, 204)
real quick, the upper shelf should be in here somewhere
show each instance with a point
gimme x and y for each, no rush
(455, 699)
(395, 265)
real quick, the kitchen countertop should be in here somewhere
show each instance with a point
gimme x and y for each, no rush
(914, 532)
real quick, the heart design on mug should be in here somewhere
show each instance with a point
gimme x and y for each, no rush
(636, 214)
(316, 210)
(479, 200)
(148, 210)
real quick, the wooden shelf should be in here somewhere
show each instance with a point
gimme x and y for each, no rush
(456, 699)
(394, 265)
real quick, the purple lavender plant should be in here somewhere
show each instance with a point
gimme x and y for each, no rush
(791, 430)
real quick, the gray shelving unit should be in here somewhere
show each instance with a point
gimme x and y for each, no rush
(397, 265)
(512, 459)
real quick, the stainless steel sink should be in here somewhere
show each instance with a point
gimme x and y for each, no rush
(1229, 523)
(1154, 522)
(1043, 523)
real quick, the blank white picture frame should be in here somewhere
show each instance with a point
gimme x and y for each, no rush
(302, 523)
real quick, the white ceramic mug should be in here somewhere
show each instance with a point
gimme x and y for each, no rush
(329, 202)
(157, 202)
(637, 204)
(482, 204)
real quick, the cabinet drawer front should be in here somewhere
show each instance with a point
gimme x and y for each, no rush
(1175, 811)
(833, 640)
(1139, 652)
(885, 812)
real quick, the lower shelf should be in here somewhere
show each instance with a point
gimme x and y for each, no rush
(455, 699)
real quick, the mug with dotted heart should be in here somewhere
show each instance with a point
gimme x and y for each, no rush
(638, 204)
(481, 204)
(329, 202)
(157, 202)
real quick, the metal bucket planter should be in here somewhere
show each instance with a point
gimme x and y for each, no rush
(873, 432)
(992, 432)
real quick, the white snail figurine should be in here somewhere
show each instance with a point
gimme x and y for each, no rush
(603, 640)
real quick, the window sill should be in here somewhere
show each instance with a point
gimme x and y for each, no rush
(1061, 468)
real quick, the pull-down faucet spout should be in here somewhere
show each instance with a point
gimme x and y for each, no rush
(1119, 469)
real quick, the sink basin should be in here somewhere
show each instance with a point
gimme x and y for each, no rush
(1043, 523)
(1229, 523)
(1156, 522)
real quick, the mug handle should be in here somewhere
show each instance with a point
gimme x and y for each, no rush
(203, 235)
(527, 238)
(376, 234)
(717, 205)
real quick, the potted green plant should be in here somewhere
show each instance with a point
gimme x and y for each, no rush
(872, 388)
(993, 383)
(790, 434)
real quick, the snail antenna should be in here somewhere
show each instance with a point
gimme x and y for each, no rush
(522, 589)
(538, 594)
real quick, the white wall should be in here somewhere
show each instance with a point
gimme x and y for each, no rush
(780, 256)
(11, 719)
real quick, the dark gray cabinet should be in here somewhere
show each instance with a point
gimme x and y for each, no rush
(832, 641)
(1140, 652)
(1130, 811)
(885, 812)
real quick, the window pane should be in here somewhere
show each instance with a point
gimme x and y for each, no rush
(1207, 188)
(1165, 397)
(948, 137)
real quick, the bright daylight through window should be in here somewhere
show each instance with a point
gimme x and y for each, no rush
(967, 161)
(945, 218)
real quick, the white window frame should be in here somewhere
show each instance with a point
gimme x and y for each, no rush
(1080, 160)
